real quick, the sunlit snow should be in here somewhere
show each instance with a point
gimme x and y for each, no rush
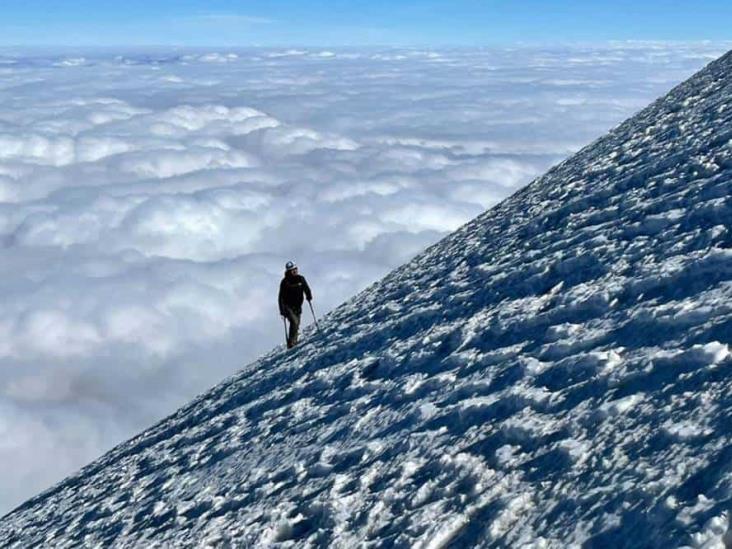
(149, 200)
(552, 374)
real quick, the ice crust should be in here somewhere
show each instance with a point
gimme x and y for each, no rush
(553, 374)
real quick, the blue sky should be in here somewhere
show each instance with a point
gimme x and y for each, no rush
(357, 22)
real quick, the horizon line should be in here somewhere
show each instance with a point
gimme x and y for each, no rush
(488, 45)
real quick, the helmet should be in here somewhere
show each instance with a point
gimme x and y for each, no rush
(289, 266)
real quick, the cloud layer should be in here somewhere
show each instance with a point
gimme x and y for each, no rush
(148, 201)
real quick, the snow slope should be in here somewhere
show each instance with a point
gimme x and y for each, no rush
(554, 373)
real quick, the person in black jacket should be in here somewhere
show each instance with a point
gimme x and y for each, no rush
(292, 289)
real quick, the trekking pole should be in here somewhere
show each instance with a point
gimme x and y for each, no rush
(284, 322)
(314, 319)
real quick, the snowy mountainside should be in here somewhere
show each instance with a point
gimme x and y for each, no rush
(555, 373)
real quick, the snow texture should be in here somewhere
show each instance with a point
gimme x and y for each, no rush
(150, 198)
(552, 374)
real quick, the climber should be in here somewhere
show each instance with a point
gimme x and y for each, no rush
(290, 299)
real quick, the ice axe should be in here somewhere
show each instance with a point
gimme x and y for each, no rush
(314, 319)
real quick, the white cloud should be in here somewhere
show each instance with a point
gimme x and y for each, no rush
(146, 213)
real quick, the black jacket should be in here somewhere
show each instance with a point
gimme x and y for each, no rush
(292, 289)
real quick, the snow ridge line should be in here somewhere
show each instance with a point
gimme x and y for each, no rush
(570, 345)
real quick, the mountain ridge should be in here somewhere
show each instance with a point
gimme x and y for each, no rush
(570, 328)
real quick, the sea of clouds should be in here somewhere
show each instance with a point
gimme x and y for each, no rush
(149, 200)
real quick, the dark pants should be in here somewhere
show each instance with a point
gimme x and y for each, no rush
(294, 318)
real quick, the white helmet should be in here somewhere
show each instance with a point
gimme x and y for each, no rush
(289, 266)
